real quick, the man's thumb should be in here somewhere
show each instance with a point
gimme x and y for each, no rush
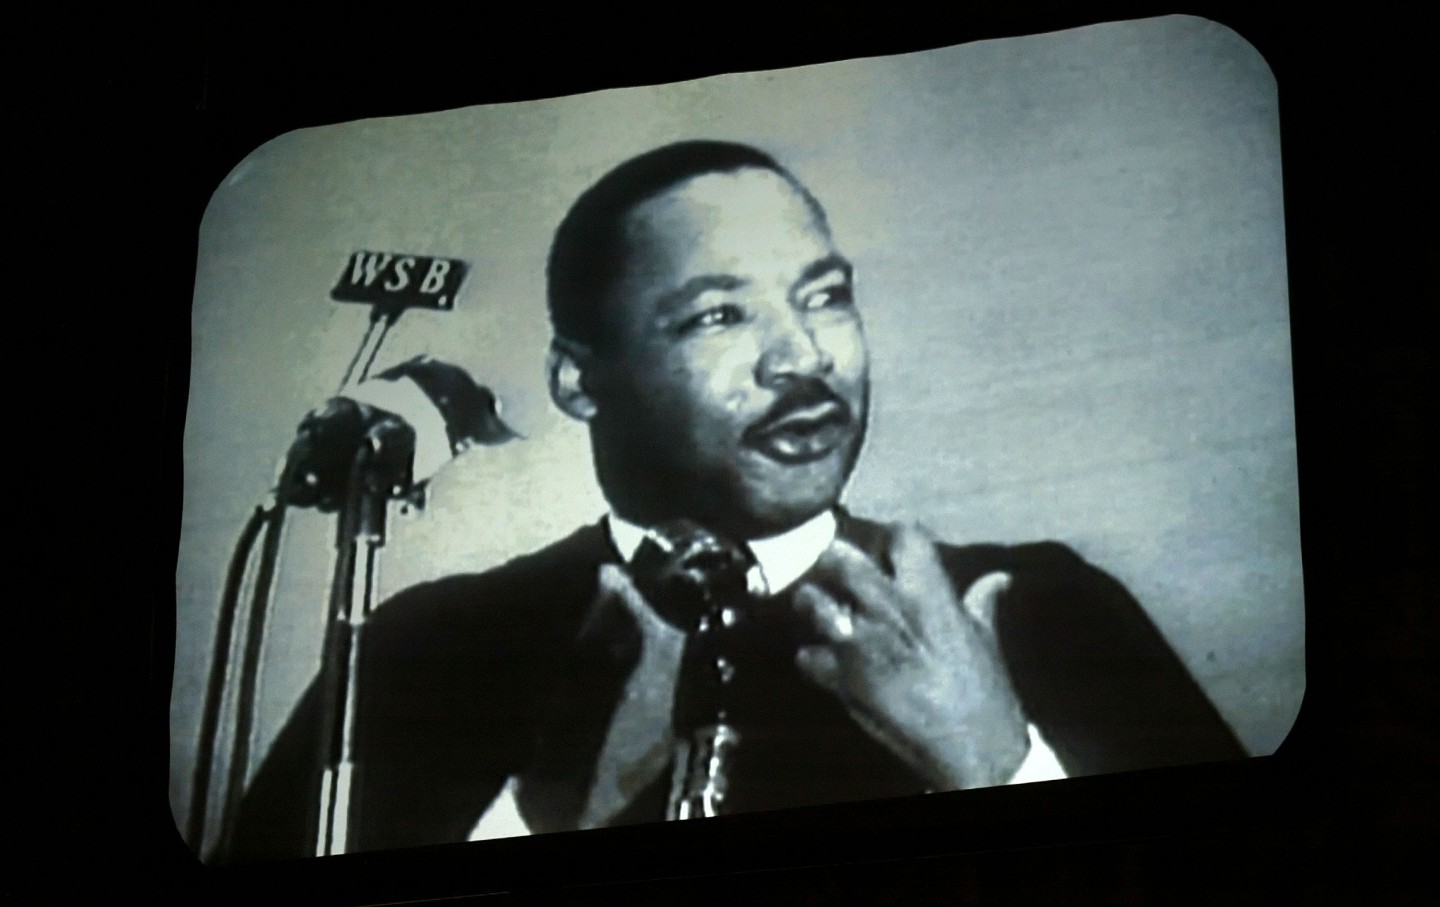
(983, 595)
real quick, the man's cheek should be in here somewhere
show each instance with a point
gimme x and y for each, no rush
(727, 376)
(845, 342)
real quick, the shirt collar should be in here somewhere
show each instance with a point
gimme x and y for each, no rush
(782, 558)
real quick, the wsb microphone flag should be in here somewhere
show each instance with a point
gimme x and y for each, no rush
(394, 281)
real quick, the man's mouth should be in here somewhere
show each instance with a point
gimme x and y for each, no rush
(802, 434)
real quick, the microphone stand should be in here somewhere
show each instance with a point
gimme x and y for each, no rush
(350, 459)
(699, 582)
(380, 467)
(380, 471)
(706, 738)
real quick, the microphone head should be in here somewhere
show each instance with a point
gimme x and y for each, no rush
(318, 467)
(685, 572)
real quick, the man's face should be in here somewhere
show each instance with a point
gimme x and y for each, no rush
(736, 392)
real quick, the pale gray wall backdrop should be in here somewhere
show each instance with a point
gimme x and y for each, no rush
(1070, 258)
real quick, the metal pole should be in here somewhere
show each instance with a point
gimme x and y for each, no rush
(380, 472)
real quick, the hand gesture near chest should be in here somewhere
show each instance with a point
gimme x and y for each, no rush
(915, 664)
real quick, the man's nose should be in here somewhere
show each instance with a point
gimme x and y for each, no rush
(791, 351)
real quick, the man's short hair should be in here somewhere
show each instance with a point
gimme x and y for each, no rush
(589, 248)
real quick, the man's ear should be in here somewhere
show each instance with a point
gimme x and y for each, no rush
(565, 367)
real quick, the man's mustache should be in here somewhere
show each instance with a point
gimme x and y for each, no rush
(802, 395)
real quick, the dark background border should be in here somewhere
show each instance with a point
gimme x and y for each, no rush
(1345, 809)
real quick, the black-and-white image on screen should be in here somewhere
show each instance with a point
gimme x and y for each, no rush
(856, 431)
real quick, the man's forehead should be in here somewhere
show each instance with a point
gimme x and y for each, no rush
(727, 221)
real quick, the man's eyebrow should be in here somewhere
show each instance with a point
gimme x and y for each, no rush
(673, 299)
(820, 267)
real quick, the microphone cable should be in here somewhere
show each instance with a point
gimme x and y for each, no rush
(270, 520)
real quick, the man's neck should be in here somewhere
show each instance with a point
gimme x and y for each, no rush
(782, 558)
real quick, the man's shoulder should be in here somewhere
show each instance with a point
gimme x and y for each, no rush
(524, 591)
(1039, 565)
(1039, 558)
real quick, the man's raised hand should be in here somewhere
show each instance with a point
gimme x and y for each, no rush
(917, 668)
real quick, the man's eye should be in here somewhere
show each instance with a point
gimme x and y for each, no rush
(828, 298)
(715, 316)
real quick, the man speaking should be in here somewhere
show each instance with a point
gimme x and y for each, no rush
(707, 331)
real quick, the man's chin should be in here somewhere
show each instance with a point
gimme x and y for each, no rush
(752, 496)
(776, 495)
(770, 515)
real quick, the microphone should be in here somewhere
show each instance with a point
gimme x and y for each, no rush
(417, 415)
(697, 581)
(684, 569)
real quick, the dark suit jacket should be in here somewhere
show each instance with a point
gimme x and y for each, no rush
(472, 679)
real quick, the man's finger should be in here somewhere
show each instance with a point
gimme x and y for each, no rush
(821, 665)
(982, 597)
(872, 592)
(918, 571)
(616, 584)
(830, 619)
